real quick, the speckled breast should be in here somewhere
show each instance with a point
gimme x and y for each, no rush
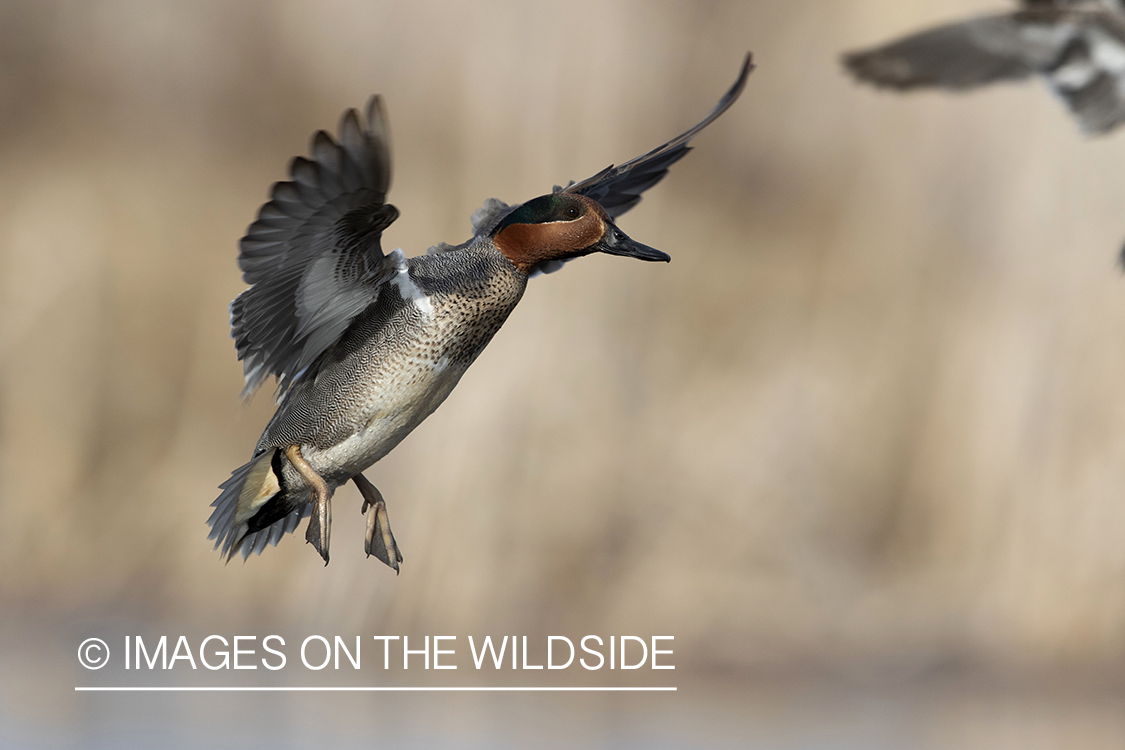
(395, 367)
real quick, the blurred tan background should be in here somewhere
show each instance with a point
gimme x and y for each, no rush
(860, 447)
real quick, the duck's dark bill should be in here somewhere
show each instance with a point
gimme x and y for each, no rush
(617, 242)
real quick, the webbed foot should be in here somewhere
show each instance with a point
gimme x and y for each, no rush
(379, 541)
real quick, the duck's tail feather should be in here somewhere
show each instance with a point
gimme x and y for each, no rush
(249, 488)
(256, 541)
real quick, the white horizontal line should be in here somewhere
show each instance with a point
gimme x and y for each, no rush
(387, 689)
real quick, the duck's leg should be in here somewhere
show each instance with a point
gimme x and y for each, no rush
(320, 522)
(380, 541)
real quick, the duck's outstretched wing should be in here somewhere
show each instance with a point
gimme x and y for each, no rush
(313, 258)
(619, 188)
(616, 188)
(1080, 52)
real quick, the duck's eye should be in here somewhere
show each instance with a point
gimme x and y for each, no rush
(572, 212)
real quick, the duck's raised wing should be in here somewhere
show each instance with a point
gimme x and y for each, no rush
(1080, 52)
(616, 188)
(619, 188)
(313, 257)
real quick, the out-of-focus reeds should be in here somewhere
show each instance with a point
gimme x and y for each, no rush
(869, 419)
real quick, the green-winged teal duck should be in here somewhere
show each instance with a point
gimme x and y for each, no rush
(365, 345)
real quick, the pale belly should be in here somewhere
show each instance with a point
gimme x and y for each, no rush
(397, 377)
(392, 411)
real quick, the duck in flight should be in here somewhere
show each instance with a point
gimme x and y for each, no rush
(1076, 46)
(365, 345)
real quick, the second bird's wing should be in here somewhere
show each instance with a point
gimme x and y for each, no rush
(1081, 54)
(313, 257)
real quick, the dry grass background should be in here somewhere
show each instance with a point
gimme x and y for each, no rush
(863, 437)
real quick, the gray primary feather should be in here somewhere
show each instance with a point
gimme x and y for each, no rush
(619, 188)
(616, 188)
(313, 257)
(1078, 48)
(1117, 5)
